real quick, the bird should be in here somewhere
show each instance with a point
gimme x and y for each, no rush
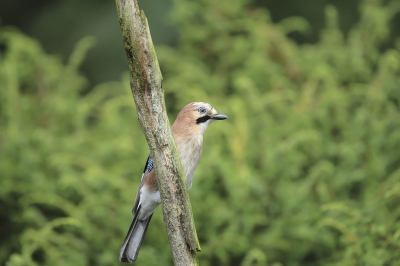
(188, 129)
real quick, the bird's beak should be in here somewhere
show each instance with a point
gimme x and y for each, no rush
(219, 117)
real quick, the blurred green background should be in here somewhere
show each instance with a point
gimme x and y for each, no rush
(306, 171)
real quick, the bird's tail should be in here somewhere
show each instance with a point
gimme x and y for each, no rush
(131, 246)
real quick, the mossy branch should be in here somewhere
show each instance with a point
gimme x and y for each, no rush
(147, 91)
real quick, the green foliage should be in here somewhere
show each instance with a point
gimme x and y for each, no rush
(306, 171)
(66, 160)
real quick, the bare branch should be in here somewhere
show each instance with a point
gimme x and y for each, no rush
(147, 90)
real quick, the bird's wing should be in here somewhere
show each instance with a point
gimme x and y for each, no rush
(147, 168)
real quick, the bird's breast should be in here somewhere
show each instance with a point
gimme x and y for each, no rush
(190, 152)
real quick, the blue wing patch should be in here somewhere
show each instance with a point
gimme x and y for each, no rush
(149, 165)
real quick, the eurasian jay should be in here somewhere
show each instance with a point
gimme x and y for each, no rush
(188, 129)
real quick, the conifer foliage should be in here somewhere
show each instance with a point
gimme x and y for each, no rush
(305, 172)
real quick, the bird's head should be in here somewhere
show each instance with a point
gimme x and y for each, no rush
(194, 118)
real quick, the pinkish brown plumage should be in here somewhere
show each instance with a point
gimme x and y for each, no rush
(188, 129)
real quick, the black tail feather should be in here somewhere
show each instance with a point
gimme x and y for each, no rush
(133, 240)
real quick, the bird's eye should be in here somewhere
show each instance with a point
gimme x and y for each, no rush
(201, 110)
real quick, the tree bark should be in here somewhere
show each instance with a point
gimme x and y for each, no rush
(147, 91)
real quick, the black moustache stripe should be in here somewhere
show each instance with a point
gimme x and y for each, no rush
(202, 119)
